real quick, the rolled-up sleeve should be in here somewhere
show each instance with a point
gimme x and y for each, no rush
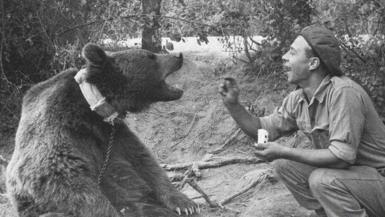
(346, 123)
(282, 121)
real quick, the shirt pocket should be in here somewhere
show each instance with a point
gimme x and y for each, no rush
(303, 126)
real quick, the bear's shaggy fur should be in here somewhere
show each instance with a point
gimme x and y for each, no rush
(61, 144)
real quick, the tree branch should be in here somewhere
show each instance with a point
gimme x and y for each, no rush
(188, 131)
(194, 185)
(95, 21)
(138, 16)
(266, 175)
(81, 26)
(3, 161)
(3, 75)
(347, 48)
(213, 164)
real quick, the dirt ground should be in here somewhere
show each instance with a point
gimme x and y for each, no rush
(189, 129)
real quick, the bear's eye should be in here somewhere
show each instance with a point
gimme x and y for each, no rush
(152, 56)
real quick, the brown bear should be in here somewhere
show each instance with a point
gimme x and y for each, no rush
(69, 161)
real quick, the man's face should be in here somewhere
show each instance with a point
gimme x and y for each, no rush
(296, 62)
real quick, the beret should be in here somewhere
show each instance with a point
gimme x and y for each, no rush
(325, 46)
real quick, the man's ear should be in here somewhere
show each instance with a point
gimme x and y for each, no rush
(314, 63)
(94, 54)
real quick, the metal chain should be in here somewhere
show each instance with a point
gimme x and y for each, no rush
(108, 155)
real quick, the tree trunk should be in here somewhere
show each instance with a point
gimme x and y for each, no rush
(151, 39)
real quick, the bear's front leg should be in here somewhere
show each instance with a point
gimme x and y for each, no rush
(165, 192)
(178, 202)
(155, 177)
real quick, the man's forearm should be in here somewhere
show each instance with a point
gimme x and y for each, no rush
(247, 122)
(314, 157)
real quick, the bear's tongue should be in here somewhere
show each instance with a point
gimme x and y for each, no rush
(175, 87)
(169, 93)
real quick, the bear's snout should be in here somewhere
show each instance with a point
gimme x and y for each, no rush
(169, 63)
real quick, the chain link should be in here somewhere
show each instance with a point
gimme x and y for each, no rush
(107, 156)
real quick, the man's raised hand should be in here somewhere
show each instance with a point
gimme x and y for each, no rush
(229, 91)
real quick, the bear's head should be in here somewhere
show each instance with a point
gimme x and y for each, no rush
(131, 80)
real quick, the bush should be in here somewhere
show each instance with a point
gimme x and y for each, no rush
(364, 61)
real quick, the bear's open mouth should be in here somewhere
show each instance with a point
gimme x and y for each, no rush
(168, 92)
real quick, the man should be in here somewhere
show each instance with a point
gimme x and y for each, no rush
(343, 173)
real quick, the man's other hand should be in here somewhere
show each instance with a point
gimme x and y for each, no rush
(269, 151)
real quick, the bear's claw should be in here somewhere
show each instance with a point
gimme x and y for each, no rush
(180, 204)
(188, 211)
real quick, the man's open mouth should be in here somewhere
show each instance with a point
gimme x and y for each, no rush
(286, 68)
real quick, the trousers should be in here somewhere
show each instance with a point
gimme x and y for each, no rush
(358, 191)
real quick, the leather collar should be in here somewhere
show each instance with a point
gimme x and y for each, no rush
(95, 99)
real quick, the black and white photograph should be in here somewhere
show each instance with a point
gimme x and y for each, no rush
(198, 108)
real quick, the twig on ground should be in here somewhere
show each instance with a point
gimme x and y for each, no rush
(199, 196)
(227, 142)
(194, 185)
(231, 209)
(192, 172)
(176, 177)
(191, 125)
(195, 170)
(187, 133)
(3, 198)
(186, 176)
(3, 161)
(264, 176)
(213, 164)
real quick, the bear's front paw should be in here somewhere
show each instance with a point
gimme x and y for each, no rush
(180, 203)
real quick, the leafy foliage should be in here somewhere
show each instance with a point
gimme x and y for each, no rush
(360, 27)
(32, 49)
(277, 20)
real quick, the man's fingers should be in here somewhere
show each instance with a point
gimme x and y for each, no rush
(259, 154)
(260, 146)
(231, 81)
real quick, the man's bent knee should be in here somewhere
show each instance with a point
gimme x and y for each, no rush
(281, 167)
(321, 180)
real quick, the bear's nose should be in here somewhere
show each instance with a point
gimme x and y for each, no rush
(181, 55)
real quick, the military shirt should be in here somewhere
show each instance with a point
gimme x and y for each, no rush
(340, 116)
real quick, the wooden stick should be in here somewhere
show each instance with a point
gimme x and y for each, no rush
(265, 175)
(187, 133)
(213, 164)
(187, 176)
(177, 177)
(190, 173)
(195, 170)
(3, 161)
(194, 185)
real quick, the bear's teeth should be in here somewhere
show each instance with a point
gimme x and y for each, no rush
(178, 86)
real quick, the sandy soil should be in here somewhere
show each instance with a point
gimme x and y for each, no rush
(188, 129)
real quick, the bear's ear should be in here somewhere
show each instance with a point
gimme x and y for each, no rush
(94, 54)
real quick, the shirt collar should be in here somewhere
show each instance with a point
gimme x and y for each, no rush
(320, 92)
